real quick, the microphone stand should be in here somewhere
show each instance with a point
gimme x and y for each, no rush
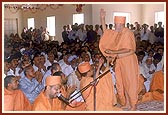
(90, 84)
(68, 101)
(94, 91)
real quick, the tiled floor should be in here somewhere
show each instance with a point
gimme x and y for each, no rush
(151, 106)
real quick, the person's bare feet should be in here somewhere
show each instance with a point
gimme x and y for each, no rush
(126, 107)
(133, 108)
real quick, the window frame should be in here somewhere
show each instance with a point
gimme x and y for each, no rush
(159, 18)
(77, 16)
(51, 26)
(29, 21)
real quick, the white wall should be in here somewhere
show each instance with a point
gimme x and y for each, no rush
(14, 15)
(134, 9)
(149, 12)
(63, 17)
(143, 13)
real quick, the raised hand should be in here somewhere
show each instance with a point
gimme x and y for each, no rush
(102, 19)
(102, 13)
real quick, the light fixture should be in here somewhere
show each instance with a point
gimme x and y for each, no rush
(79, 7)
(35, 7)
(30, 7)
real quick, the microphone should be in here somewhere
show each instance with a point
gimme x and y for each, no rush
(62, 98)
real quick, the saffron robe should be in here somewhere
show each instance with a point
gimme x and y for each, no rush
(126, 68)
(105, 97)
(16, 101)
(42, 103)
(157, 83)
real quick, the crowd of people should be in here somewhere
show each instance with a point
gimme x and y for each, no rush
(43, 75)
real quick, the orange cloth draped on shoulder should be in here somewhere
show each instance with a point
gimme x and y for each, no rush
(16, 101)
(141, 89)
(105, 97)
(126, 68)
(42, 104)
(88, 93)
(108, 41)
(141, 84)
(64, 93)
(157, 83)
(79, 106)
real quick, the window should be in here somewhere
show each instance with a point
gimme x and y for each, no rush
(78, 18)
(159, 17)
(10, 26)
(30, 23)
(127, 15)
(51, 25)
